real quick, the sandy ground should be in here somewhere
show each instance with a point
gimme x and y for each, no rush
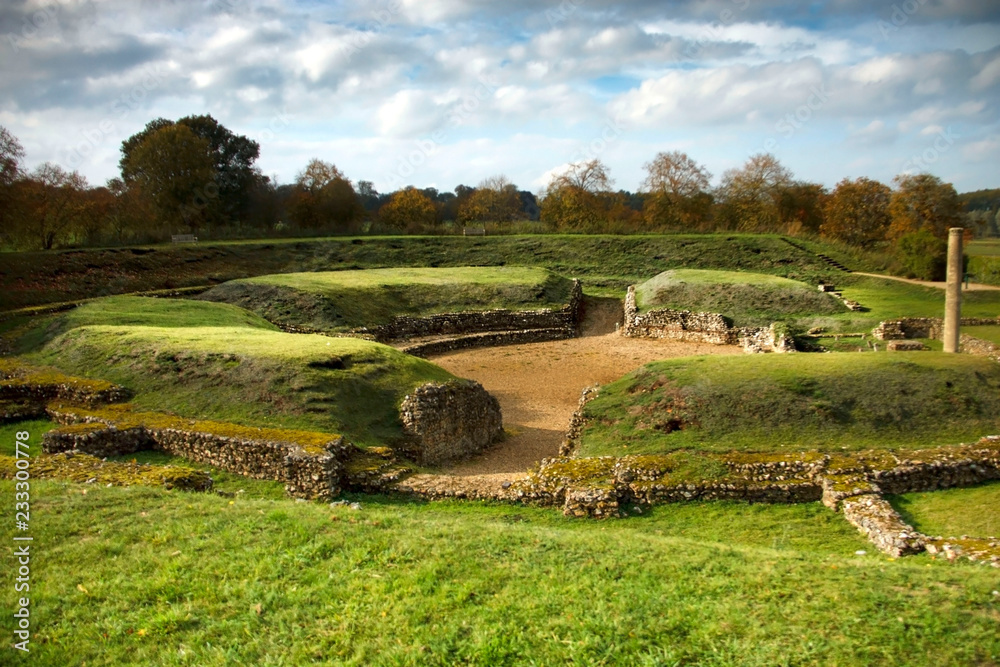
(539, 384)
(973, 287)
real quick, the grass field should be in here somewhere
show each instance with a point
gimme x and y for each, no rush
(146, 576)
(990, 333)
(251, 376)
(606, 264)
(748, 299)
(343, 300)
(953, 512)
(796, 402)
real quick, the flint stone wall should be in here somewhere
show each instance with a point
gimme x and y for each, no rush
(875, 517)
(924, 327)
(449, 421)
(492, 339)
(451, 324)
(689, 326)
(978, 347)
(305, 474)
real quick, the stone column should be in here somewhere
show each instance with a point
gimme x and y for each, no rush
(953, 290)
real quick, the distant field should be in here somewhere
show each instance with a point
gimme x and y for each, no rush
(796, 402)
(606, 264)
(749, 299)
(987, 247)
(343, 300)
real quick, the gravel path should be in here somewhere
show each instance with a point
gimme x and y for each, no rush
(539, 384)
(972, 287)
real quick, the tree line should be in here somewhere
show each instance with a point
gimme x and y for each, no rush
(196, 176)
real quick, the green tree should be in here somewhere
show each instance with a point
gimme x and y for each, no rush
(174, 168)
(857, 212)
(922, 255)
(232, 157)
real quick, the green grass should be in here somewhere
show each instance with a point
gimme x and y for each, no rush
(797, 402)
(748, 299)
(606, 264)
(35, 427)
(954, 512)
(254, 377)
(983, 247)
(891, 299)
(343, 300)
(146, 576)
(136, 311)
(990, 333)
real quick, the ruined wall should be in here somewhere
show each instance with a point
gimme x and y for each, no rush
(451, 324)
(923, 327)
(449, 421)
(711, 328)
(306, 472)
(978, 347)
(492, 339)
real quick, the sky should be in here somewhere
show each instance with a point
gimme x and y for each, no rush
(441, 93)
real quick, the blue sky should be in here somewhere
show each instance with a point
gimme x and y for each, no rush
(440, 93)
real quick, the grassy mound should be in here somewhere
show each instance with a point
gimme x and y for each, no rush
(249, 376)
(827, 402)
(343, 300)
(969, 511)
(749, 299)
(134, 311)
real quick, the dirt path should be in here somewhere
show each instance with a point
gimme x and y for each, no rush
(973, 287)
(539, 384)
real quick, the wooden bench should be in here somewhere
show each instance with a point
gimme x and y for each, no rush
(183, 238)
(474, 231)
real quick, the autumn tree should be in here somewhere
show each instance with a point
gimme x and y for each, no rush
(408, 209)
(751, 195)
(51, 201)
(857, 212)
(495, 199)
(174, 168)
(677, 188)
(11, 155)
(580, 199)
(923, 201)
(323, 198)
(800, 207)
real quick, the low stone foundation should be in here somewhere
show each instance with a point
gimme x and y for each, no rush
(978, 347)
(309, 469)
(576, 423)
(450, 421)
(711, 328)
(923, 327)
(491, 339)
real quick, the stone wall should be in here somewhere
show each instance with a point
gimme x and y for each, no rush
(577, 422)
(711, 328)
(492, 339)
(923, 327)
(880, 523)
(452, 324)
(307, 472)
(450, 421)
(978, 347)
